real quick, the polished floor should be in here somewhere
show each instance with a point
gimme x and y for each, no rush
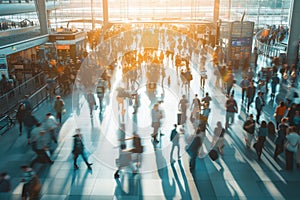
(235, 175)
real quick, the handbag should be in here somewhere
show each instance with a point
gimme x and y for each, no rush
(63, 111)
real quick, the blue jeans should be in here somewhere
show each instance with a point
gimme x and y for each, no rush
(28, 130)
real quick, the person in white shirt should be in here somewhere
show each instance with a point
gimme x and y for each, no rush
(291, 147)
(50, 126)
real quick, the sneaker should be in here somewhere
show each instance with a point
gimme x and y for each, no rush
(89, 166)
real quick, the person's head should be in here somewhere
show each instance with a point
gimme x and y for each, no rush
(183, 96)
(3, 175)
(58, 97)
(77, 130)
(251, 116)
(263, 124)
(206, 94)
(284, 120)
(48, 115)
(24, 167)
(219, 124)
(291, 129)
(155, 107)
(22, 106)
(26, 96)
(281, 103)
(196, 95)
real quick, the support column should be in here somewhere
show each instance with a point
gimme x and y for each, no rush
(105, 12)
(40, 6)
(294, 32)
(216, 10)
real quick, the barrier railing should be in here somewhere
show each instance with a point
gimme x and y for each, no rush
(269, 50)
(10, 99)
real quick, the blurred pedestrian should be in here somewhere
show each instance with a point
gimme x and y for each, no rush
(249, 127)
(91, 102)
(262, 134)
(50, 126)
(218, 138)
(174, 138)
(5, 182)
(59, 106)
(78, 149)
(20, 117)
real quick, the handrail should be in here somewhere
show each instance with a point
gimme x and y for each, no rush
(24, 41)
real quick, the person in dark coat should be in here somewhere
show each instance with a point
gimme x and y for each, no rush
(193, 150)
(5, 183)
(29, 122)
(78, 149)
(20, 116)
(259, 104)
(250, 94)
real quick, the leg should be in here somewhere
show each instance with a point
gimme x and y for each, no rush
(289, 156)
(178, 152)
(75, 160)
(85, 160)
(171, 153)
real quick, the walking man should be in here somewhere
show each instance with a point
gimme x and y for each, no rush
(182, 106)
(78, 149)
(259, 104)
(174, 138)
(231, 109)
(156, 115)
(249, 127)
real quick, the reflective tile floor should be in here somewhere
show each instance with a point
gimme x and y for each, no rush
(235, 175)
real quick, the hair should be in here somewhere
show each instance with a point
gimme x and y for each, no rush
(281, 103)
(49, 114)
(263, 124)
(291, 129)
(57, 97)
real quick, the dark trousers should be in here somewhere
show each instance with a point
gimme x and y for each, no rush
(278, 150)
(52, 135)
(20, 126)
(289, 160)
(41, 157)
(58, 116)
(83, 157)
(192, 162)
(244, 91)
(26, 190)
(260, 144)
(250, 100)
(258, 115)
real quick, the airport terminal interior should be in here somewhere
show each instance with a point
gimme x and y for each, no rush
(153, 100)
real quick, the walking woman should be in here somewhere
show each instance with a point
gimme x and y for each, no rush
(20, 116)
(280, 138)
(262, 134)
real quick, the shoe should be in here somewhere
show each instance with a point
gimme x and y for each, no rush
(89, 166)
(51, 162)
(156, 141)
(76, 167)
(162, 134)
(116, 176)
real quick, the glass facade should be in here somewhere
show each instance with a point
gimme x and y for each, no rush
(262, 12)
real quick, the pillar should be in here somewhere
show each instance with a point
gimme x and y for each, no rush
(40, 6)
(105, 12)
(294, 32)
(216, 10)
